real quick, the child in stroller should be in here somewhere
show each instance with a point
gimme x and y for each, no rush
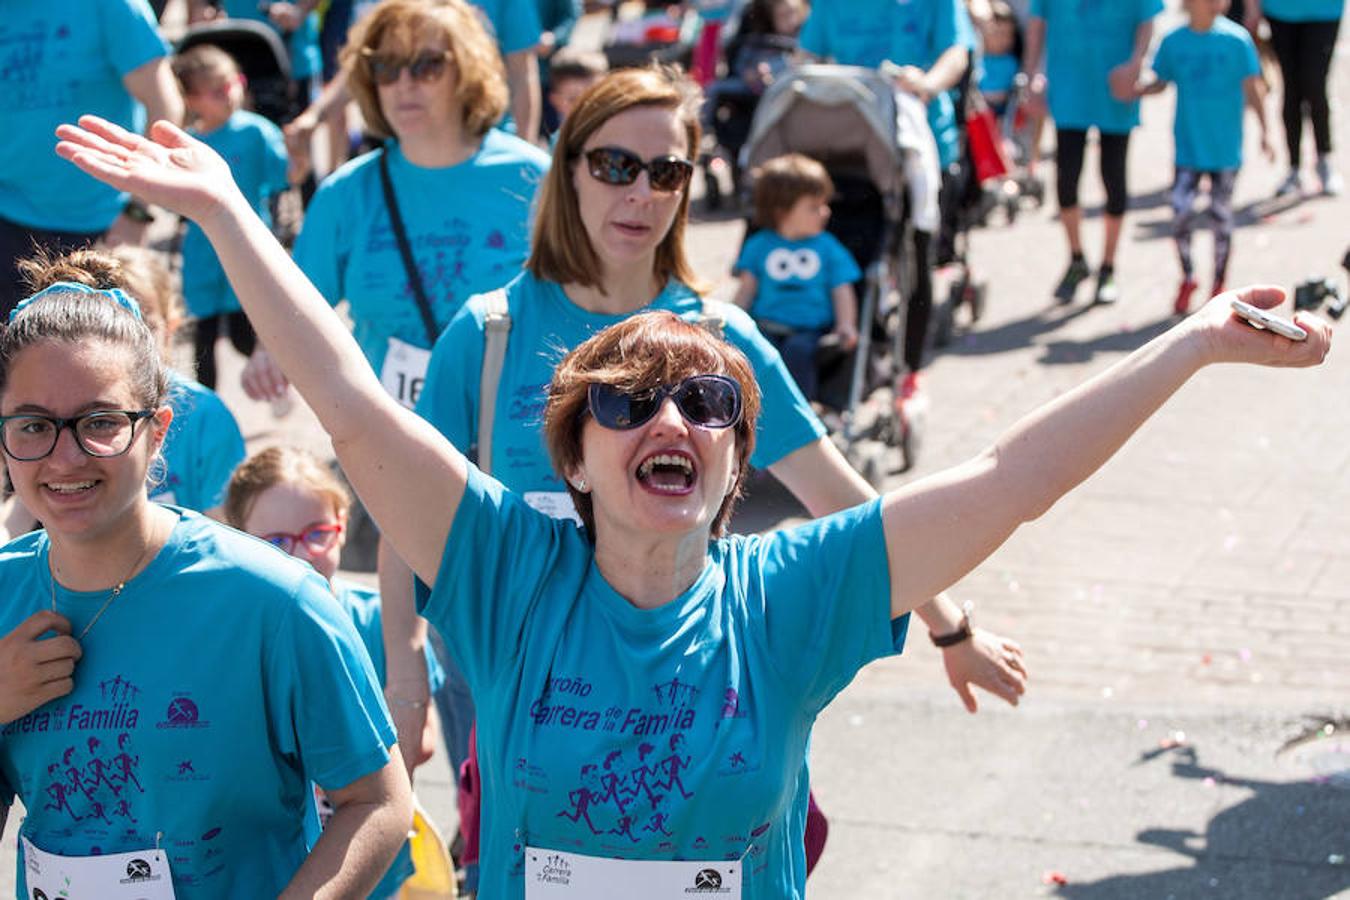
(762, 47)
(796, 279)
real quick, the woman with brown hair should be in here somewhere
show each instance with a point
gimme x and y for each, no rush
(409, 232)
(646, 691)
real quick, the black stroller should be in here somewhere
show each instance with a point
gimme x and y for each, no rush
(846, 117)
(261, 56)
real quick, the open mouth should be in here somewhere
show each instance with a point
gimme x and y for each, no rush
(667, 473)
(632, 229)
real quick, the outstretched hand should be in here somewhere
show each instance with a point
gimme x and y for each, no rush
(987, 661)
(1230, 339)
(170, 168)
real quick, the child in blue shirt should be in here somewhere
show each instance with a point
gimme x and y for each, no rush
(796, 279)
(213, 90)
(1213, 63)
(1001, 39)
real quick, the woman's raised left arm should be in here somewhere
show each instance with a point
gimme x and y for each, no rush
(940, 528)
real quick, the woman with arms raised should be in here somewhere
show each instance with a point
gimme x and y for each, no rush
(636, 679)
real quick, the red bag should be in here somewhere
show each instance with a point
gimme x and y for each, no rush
(986, 145)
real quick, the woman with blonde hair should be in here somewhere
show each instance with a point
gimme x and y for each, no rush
(646, 691)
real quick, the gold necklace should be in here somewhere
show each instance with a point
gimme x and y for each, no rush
(116, 591)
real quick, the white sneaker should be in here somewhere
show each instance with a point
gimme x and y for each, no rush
(1333, 185)
(1292, 184)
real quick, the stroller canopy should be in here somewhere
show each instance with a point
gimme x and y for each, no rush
(839, 115)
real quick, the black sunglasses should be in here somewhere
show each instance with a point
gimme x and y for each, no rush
(615, 165)
(708, 401)
(385, 69)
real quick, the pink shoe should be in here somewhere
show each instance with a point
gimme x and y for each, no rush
(1217, 289)
(1182, 305)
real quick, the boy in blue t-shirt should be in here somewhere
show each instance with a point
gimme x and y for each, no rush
(1213, 63)
(796, 279)
(213, 91)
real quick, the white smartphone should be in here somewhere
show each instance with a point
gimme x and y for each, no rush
(1259, 318)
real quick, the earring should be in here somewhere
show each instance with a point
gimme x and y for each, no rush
(580, 484)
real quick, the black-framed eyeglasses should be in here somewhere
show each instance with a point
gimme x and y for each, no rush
(103, 433)
(385, 68)
(708, 401)
(317, 537)
(615, 165)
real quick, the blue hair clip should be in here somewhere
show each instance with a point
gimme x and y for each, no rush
(116, 295)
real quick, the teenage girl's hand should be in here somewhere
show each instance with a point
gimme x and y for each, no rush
(262, 379)
(1224, 337)
(36, 670)
(170, 168)
(987, 661)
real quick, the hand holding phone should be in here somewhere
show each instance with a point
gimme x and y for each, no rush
(1260, 318)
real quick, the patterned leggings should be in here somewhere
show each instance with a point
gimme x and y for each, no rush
(1185, 191)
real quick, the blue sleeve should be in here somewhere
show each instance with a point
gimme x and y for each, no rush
(499, 557)
(827, 599)
(814, 37)
(275, 160)
(328, 710)
(1164, 64)
(449, 398)
(131, 34)
(843, 267)
(965, 30)
(318, 249)
(947, 31)
(786, 422)
(1148, 9)
(220, 451)
(516, 25)
(1037, 9)
(1251, 63)
(751, 258)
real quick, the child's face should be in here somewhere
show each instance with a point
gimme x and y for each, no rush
(300, 521)
(787, 17)
(565, 94)
(1207, 10)
(999, 37)
(807, 217)
(215, 99)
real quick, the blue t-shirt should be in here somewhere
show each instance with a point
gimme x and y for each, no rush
(867, 32)
(1084, 41)
(513, 24)
(670, 733)
(59, 61)
(201, 450)
(998, 73)
(545, 325)
(468, 225)
(222, 680)
(1303, 10)
(302, 44)
(256, 152)
(794, 279)
(363, 605)
(1209, 69)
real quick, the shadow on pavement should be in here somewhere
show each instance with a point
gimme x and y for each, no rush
(1286, 840)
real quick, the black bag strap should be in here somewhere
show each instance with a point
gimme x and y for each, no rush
(405, 251)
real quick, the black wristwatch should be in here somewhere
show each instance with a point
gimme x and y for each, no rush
(963, 632)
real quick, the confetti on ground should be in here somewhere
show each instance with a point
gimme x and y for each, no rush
(1210, 782)
(1054, 877)
(855, 720)
(1108, 692)
(1172, 741)
(1336, 859)
(1142, 723)
(1245, 655)
(1206, 659)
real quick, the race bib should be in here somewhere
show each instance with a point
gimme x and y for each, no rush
(557, 504)
(138, 875)
(556, 873)
(404, 372)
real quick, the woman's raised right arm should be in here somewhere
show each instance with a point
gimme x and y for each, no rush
(409, 477)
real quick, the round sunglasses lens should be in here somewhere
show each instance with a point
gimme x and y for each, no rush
(707, 401)
(614, 166)
(618, 410)
(427, 67)
(668, 174)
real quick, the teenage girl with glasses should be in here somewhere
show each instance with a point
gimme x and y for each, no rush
(646, 688)
(197, 681)
(288, 498)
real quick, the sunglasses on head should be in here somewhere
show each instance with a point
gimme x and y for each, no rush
(386, 68)
(708, 401)
(615, 165)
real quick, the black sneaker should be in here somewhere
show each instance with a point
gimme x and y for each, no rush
(1076, 274)
(1107, 292)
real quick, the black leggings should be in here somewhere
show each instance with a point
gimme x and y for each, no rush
(1070, 143)
(204, 334)
(920, 307)
(1304, 50)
